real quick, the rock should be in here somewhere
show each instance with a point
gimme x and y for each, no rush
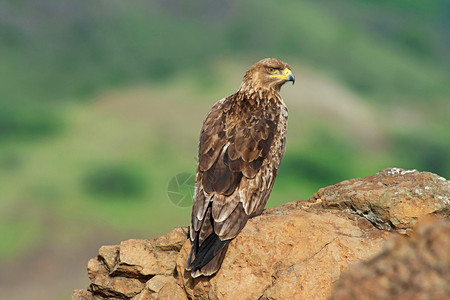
(391, 199)
(121, 272)
(144, 258)
(294, 251)
(408, 268)
(109, 255)
(82, 295)
(162, 287)
(288, 251)
(111, 286)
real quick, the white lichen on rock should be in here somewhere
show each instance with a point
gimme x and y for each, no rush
(397, 171)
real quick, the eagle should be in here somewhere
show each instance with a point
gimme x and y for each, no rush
(241, 146)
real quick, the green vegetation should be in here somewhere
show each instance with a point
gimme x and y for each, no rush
(115, 181)
(75, 154)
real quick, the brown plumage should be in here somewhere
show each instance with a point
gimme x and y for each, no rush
(241, 146)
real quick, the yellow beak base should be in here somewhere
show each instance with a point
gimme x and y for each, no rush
(287, 75)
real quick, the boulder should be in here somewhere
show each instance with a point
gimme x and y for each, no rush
(415, 267)
(391, 199)
(293, 251)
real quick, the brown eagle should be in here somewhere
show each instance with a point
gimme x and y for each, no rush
(241, 146)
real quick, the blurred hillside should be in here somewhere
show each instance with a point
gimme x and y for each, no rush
(102, 103)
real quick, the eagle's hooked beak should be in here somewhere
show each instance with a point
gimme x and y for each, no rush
(289, 75)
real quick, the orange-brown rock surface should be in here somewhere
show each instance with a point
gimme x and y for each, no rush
(391, 199)
(415, 267)
(294, 251)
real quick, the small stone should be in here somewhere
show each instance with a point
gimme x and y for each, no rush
(109, 254)
(82, 295)
(162, 287)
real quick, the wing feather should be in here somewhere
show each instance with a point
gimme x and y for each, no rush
(230, 227)
(206, 228)
(223, 206)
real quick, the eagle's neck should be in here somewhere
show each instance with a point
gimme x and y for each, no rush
(254, 94)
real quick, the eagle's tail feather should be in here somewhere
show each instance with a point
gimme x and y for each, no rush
(207, 258)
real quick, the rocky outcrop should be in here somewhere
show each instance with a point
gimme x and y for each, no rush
(417, 267)
(135, 267)
(391, 199)
(294, 251)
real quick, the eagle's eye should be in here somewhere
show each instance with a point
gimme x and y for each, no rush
(271, 70)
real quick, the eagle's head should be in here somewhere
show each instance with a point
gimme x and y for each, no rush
(268, 74)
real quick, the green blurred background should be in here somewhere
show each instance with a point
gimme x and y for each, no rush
(101, 105)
